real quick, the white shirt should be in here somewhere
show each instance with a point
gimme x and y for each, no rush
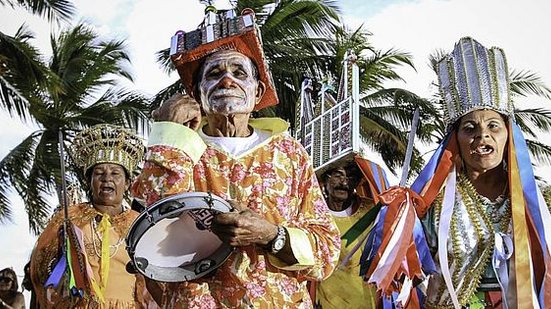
(343, 213)
(236, 146)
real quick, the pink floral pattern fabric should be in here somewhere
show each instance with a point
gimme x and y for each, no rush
(276, 180)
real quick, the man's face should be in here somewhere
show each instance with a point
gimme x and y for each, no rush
(482, 136)
(228, 84)
(108, 182)
(340, 184)
(6, 282)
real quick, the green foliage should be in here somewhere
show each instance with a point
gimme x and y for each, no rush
(52, 9)
(75, 89)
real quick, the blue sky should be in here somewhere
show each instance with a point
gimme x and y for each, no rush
(418, 27)
(366, 9)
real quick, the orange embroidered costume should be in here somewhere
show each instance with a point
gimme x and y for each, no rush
(96, 277)
(272, 176)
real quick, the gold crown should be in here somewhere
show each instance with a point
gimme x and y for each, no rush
(106, 143)
(473, 77)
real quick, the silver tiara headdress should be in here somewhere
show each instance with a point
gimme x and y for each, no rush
(473, 77)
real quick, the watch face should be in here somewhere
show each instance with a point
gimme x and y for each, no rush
(278, 244)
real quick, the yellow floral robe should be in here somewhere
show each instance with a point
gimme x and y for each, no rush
(120, 291)
(275, 179)
(345, 288)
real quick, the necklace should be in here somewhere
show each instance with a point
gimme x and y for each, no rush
(497, 212)
(113, 249)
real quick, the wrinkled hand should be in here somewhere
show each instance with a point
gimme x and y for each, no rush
(180, 109)
(243, 227)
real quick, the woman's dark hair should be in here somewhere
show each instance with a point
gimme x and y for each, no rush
(10, 274)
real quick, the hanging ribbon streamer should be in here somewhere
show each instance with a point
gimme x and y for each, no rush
(523, 278)
(503, 251)
(443, 232)
(391, 250)
(104, 228)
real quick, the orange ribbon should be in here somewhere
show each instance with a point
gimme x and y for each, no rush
(396, 198)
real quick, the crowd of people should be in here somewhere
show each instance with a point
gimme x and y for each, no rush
(483, 216)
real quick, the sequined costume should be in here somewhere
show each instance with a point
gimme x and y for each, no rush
(487, 252)
(474, 223)
(275, 179)
(79, 261)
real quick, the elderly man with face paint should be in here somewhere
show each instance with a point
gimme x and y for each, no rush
(281, 229)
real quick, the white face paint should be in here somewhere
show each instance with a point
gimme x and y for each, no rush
(228, 84)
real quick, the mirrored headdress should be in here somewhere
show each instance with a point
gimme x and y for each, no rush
(473, 77)
(105, 143)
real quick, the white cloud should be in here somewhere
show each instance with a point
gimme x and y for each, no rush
(420, 27)
(150, 30)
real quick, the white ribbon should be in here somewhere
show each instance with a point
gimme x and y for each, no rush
(390, 253)
(503, 250)
(405, 292)
(443, 232)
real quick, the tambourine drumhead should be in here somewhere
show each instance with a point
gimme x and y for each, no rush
(171, 241)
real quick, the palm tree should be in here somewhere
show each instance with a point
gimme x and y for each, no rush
(80, 91)
(531, 121)
(385, 113)
(18, 59)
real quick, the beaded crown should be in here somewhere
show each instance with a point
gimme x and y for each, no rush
(473, 77)
(106, 143)
(221, 31)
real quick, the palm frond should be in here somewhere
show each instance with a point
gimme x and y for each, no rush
(21, 72)
(540, 151)
(533, 118)
(166, 93)
(14, 170)
(525, 83)
(57, 10)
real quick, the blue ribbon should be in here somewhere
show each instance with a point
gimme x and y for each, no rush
(529, 187)
(55, 277)
(423, 251)
(376, 169)
(429, 169)
(373, 242)
(530, 190)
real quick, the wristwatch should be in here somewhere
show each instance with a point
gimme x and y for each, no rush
(279, 241)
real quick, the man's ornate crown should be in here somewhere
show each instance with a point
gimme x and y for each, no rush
(106, 143)
(473, 77)
(221, 31)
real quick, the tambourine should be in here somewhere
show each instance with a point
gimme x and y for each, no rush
(171, 241)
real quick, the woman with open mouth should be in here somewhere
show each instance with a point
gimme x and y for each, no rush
(484, 243)
(95, 275)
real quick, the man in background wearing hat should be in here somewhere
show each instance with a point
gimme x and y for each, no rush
(281, 229)
(350, 189)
